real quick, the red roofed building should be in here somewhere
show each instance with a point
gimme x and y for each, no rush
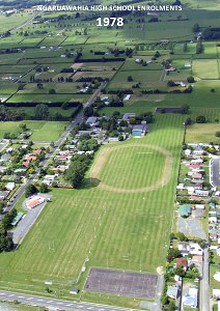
(197, 176)
(34, 201)
(26, 163)
(38, 151)
(182, 263)
(29, 157)
(194, 166)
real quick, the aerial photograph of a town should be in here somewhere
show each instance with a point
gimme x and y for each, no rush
(109, 155)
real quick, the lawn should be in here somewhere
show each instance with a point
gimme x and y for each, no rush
(118, 230)
(202, 133)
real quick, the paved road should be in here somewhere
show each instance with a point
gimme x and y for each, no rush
(56, 303)
(27, 22)
(92, 99)
(204, 284)
(216, 172)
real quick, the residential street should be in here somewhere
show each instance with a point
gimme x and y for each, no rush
(204, 284)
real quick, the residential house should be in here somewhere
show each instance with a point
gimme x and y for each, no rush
(191, 299)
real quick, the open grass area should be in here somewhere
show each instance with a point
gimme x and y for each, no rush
(42, 130)
(115, 230)
(202, 133)
(205, 69)
(136, 157)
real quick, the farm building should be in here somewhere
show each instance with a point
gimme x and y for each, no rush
(140, 130)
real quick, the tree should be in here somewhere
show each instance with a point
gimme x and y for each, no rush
(130, 79)
(201, 119)
(43, 188)
(173, 253)
(157, 54)
(40, 86)
(181, 236)
(2, 205)
(185, 47)
(196, 28)
(52, 91)
(180, 271)
(199, 48)
(88, 111)
(6, 243)
(30, 190)
(188, 121)
(185, 108)
(76, 171)
(191, 79)
(172, 305)
(88, 145)
(217, 134)
(171, 83)
(23, 126)
(7, 220)
(41, 112)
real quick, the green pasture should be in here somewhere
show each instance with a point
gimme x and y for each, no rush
(29, 112)
(73, 39)
(138, 76)
(39, 98)
(19, 69)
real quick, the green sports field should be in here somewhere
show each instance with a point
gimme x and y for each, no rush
(127, 231)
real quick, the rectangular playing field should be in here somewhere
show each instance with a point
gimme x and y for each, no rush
(133, 284)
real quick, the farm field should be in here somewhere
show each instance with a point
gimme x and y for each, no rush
(115, 229)
(202, 133)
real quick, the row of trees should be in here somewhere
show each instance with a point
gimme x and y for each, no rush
(77, 169)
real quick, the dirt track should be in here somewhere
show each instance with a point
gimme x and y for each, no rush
(100, 161)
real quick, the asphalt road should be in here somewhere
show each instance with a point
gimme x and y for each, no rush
(56, 304)
(216, 172)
